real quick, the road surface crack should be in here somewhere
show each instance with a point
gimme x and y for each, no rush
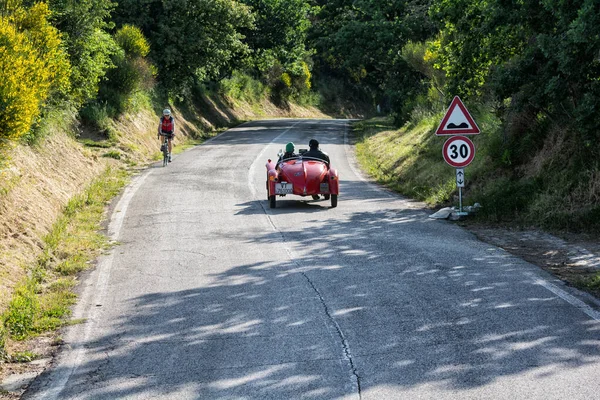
(345, 346)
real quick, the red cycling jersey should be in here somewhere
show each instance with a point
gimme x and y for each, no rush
(167, 125)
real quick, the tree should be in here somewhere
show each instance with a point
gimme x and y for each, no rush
(84, 25)
(542, 56)
(362, 41)
(189, 39)
(132, 72)
(279, 37)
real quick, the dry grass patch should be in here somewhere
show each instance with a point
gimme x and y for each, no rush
(43, 299)
(42, 180)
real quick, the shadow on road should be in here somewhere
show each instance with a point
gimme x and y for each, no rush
(269, 329)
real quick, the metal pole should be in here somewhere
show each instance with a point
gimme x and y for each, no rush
(460, 200)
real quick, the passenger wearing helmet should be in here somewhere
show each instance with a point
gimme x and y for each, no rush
(289, 152)
(166, 127)
(315, 152)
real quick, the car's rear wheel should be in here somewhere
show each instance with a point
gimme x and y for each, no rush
(334, 200)
(272, 201)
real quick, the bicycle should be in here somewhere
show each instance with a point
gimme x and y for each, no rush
(164, 148)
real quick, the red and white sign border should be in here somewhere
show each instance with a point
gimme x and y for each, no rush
(442, 131)
(452, 162)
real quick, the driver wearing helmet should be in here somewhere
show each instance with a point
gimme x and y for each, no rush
(289, 152)
(166, 127)
(315, 152)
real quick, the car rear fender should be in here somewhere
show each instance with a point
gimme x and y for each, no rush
(271, 177)
(334, 183)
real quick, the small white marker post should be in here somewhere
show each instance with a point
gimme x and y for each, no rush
(460, 183)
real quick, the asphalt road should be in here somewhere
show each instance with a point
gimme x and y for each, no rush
(212, 295)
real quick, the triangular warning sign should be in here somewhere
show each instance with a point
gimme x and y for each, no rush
(457, 121)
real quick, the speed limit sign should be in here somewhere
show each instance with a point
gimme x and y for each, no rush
(458, 151)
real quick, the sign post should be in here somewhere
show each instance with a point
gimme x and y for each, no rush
(460, 183)
(458, 151)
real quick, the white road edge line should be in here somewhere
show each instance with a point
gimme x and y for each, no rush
(574, 301)
(86, 309)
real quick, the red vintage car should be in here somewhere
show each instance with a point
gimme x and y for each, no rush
(302, 176)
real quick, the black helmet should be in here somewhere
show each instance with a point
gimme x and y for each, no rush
(313, 143)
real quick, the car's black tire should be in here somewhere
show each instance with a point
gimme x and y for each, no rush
(326, 196)
(334, 200)
(272, 202)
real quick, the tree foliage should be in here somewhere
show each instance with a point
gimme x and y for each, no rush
(84, 25)
(190, 39)
(278, 39)
(543, 56)
(131, 39)
(131, 73)
(362, 41)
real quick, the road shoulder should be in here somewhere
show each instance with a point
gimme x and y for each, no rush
(573, 258)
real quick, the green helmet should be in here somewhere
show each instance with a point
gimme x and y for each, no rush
(289, 148)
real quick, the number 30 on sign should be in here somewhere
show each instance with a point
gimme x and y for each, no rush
(458, 151)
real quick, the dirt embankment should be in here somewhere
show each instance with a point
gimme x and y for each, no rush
(35, 187)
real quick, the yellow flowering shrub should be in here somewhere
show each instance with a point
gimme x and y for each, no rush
(286, 79)
(306, 75)
(32, 65)
(131, 39)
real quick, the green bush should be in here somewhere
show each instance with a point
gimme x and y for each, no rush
(96, 115)
(20, 316)
(131, 74)
(3, 333)
(505, 199)
(131, 39)
(241, 86)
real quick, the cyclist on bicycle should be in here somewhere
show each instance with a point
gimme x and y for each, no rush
(166, 127)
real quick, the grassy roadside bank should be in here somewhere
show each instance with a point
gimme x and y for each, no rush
(406, 160)
(531, 185)
(41, 301)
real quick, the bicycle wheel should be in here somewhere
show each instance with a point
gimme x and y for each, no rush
(165, 149)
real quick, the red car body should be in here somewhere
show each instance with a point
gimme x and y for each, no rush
(302, 177)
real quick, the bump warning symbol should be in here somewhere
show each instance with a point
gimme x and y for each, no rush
(457, 121)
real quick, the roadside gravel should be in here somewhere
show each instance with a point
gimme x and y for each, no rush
(573, 258)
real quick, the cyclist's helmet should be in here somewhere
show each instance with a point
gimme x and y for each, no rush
(167, 112)
(289, 148)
